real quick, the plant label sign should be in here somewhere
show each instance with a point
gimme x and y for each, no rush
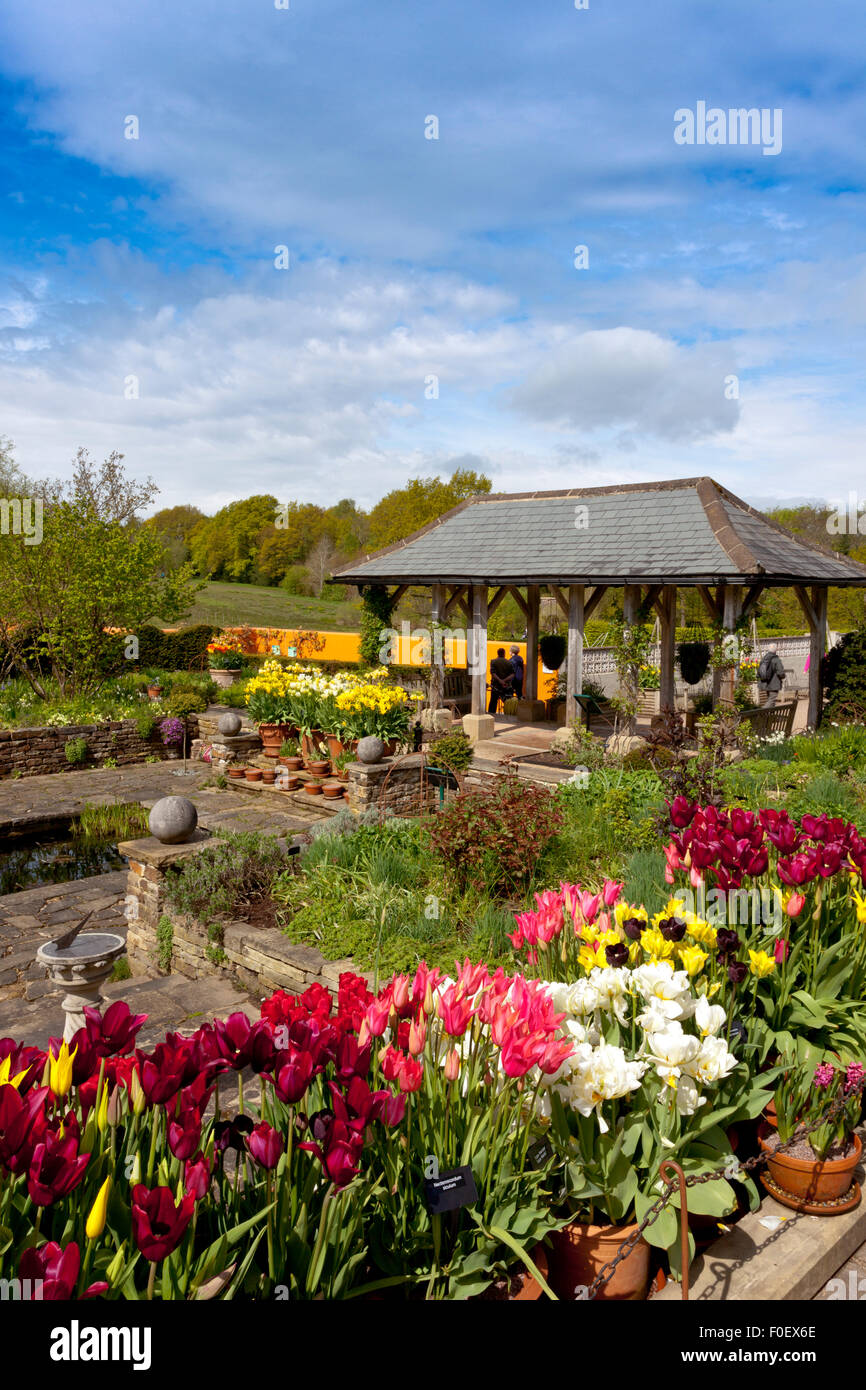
(450, 1190)
(539, 1152)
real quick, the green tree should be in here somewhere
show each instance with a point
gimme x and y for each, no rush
(94, 569)
(408, 508)
(225, 546)
(174, 526)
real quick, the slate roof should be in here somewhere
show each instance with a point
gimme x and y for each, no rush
(687, 531)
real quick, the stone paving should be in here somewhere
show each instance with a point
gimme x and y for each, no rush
(29, 1003)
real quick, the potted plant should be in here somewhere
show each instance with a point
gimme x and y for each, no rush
(341, 764)
(694, 660)
(318, 760)
(552, 647)
(816, 1174)
(154, 688)
(314, 786)
(172, 732)
(236, 773)
(290, 754)
(253, 774)
(225, 664)
(269, 700)
(332, 790)
(377, 708)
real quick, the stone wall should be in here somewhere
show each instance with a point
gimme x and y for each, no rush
(261, 959)
(30, 752)
(392, 786)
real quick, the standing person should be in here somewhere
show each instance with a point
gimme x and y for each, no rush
(771, 674)
(517, 666)
(501, 678)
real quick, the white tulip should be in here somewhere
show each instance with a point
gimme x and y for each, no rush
(713, 1061)
(709, 1017)
(672, 1050)
(688, 1096)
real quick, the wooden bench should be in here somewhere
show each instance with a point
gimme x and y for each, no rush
(457, 692)
(775, 719)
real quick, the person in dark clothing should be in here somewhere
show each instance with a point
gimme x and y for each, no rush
(501, 680)
(517, 666)
(771, 674)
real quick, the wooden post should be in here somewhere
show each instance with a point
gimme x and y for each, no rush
(574, 658)
(479, 648)
(667, 647)
(817, 644)
(437, 656)
(731, 612)
(533, 603)
(630, 605)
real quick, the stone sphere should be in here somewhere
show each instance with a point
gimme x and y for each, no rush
(370, 749)
(173, 820)
(229, 723)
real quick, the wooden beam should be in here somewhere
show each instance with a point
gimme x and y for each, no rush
(533, 603)
(807, 606)
(714, 612)
(478, 654)
(817, 645)
(398, 593)
(518, 599)
(593, 601)
(560, 598)
(651, 598)
(667, 644)
(574, 658)
(494, 603)
(437, 658)
(751, 599)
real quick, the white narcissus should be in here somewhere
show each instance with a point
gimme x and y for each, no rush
(600, 1074)
(713, 1061)
(689, 1098)
(672, 1051)
(709, 1017)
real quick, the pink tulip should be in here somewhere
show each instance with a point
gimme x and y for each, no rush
(417, 1036)
(452, 1065)
(610, 892)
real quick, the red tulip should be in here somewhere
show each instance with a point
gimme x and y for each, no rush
(265, 1145)
(293, 1077)
(411, 1075)
(55, 1168)
(18, 1116)
(196, 1176)
(114, 1031)
(455, 1011)
(158, 1224)
(58, 1271)
(781, 950)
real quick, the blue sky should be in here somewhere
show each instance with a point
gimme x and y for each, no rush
(141, 308)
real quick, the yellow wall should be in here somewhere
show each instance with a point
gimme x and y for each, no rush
(346, 646)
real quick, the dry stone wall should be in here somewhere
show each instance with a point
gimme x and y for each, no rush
(31, 752)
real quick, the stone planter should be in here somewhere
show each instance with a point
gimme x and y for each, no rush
(223, 678)
(648, 704)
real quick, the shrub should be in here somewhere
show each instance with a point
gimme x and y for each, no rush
(843, 675)
(182, 702)
(145, 722)
(75, 750)
(235, 870)
(164, 943)
(453, 751)
(495, 835)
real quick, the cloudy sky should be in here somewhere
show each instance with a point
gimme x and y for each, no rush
(713, 324)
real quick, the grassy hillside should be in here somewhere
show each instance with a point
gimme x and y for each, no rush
(230, 605)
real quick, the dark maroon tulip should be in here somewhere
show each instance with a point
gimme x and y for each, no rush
(58, 1271)
(197, 1177)
(352, 1060)
(737, 972)
(231, 1134)
(161, 1072)
(293, 1077)
(158, 1224)
(245, 1044)
(55, 1169)
(681, 811)
(392, 1108)
(184, 1133)
(742, 821)
(30, 1060)
(616, 954)
(113, 1032)
(755, 862)
(265, 1145)
(727, 941)
(634, 927)
(671, 928)
(18, 1115)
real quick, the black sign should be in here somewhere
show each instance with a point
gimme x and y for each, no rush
(450, 1190)
(538, 1153)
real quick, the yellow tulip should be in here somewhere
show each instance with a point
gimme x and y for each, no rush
(6, 1077)
(102, 1112)
(693, 959)
(860, 900)
(760, 964)
(95, 1223)
(655, 944)
(60, 1070)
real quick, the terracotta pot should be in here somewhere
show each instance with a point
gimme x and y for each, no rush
(268, 776)
(223, 678)
(293, 764)
(308, 743)
(332, 790)
(253, 774)
(313, 788)
(578, 1253)
(811, 1182)
(319, 768)
(154, 692)
(770, 1115)
(272, 737)
(291, 785)
(335, 746)
(392, 747)
(236, 773)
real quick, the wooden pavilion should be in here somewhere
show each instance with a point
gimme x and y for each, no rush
(649, 539)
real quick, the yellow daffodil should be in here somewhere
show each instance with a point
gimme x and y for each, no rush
(760, 964)
(693, 959)
(95, 1224)
(60, 1070)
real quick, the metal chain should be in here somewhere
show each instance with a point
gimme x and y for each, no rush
(802, 1132)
